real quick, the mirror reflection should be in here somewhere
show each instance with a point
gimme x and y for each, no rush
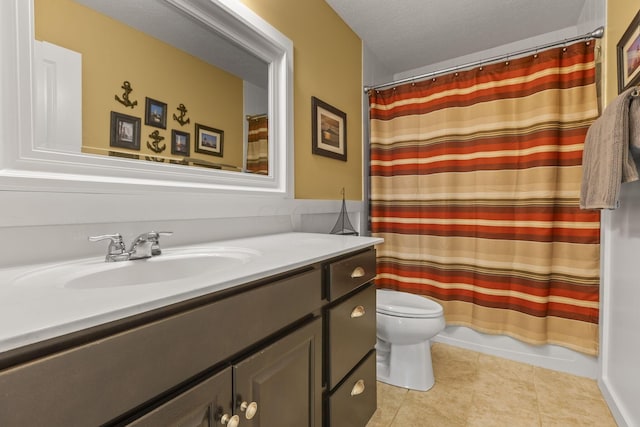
(143, 80)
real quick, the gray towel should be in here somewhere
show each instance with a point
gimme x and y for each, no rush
(607, 157)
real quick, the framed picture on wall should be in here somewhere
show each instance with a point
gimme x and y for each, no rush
(209, 140)
(155, 113)
(180, 143)
(628, 49)
(328, 130)
(125, 131)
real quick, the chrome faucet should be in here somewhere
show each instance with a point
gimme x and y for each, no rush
(145, 245)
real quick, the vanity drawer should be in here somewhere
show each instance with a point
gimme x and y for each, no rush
(349, 273)
(93, 383)
(352, 333)
(354, 402)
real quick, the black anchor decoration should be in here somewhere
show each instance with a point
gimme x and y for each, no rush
(126, 86)
(155, 145)
(180, 119)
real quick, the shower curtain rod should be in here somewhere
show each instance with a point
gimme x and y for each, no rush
(256, 116)
(595, 34)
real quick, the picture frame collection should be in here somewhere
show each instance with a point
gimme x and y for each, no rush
(328, 133)
(125, 131)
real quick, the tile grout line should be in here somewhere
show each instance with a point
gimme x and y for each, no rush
(404, 398)
(535, 388)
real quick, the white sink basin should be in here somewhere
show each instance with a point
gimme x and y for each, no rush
(188, 264)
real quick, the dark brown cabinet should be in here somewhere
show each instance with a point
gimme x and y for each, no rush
(350, 398)
(294, 349)
(279, 385)
(283, 382)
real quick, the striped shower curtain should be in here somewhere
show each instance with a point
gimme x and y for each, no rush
(258, 145)
(475, 180)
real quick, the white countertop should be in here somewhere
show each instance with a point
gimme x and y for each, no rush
(29, 314)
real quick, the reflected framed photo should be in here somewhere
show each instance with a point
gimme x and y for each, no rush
(328, 130)
(628, 49)
(209, 140)
(125, 131)
(155, 113)
(180, 144)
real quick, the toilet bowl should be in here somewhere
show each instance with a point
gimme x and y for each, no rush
(405, 325)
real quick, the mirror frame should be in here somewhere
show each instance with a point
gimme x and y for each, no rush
(25, 168)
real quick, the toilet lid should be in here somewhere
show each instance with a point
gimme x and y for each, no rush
(402, 304)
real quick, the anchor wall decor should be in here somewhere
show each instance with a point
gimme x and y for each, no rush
(155, 145)
(181, 119)
(126, 86)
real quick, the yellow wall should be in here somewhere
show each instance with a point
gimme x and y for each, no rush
(619, 16)
(327, 65)
(113, 53)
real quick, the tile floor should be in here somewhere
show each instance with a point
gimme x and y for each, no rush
(478, 390)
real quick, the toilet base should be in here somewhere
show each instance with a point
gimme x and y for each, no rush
(407, 366)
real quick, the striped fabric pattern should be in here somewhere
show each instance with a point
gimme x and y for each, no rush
(475, 182)
(258, 146)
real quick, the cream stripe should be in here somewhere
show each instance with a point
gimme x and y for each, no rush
(435, 195)
(482, 155)
(535, 179)
(578, 271)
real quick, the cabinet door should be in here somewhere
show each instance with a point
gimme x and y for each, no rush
(203, 405)
(282, 383)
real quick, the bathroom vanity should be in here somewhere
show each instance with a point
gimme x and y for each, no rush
(285, 338)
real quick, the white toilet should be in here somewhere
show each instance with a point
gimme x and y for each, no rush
(406, 323)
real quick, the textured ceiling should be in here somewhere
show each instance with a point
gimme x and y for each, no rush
(408, 34)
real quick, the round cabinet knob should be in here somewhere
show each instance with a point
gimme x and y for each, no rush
(249, 409)
(230, 421)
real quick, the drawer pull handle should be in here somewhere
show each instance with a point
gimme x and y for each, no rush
(230, 421)
(359, 311)
(249, 409)
(358, 388)
(357, 272)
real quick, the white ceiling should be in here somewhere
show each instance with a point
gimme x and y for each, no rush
(408, 34)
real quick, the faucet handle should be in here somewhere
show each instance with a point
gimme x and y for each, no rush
(155, 247)
(116, 244)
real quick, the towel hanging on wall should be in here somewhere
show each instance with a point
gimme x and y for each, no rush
(612, 142)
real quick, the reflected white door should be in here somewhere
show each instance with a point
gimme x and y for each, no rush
(58, 98)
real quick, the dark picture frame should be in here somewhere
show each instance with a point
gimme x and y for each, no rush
(125, 131)
(180, 143)
(628, 50)
(209, 140)
(328, 130)
(155, 113)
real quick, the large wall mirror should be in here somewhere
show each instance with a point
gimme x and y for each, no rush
(161, 93)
